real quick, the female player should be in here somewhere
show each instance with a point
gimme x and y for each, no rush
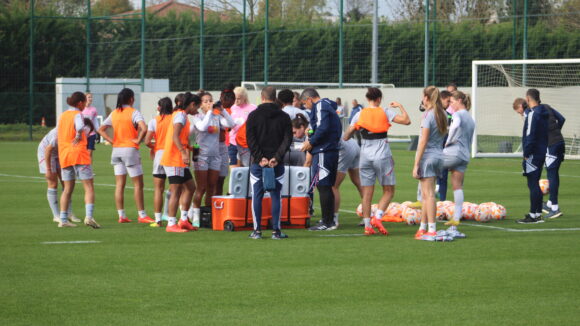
(207, 165)
(428, 159)
(457, 152)
(90, 112)
(157, 130)
(240, 112)
(296, 157)
(48, 165)
(75, 160)
(227, 99)
(129, 129)
(175, 161)
(376, 159)
(348, 162)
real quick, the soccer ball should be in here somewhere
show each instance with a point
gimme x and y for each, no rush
(483, 213)
(440, 215)
(359, 210)
(545, 186)
(449, 210)
(469, 210)
(411, 216)
(498, 212)
(394, 209)
(374, 208)
(406, 203)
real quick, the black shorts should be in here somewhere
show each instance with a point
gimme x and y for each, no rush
(91, 142)
(177, 180)
(160, 176)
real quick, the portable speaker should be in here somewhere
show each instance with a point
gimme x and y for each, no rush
(296, 181)
(239, 182)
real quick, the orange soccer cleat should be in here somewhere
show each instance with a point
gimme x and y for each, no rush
(369, 231)
(175, 228)
(420, 234)
(378, 224)
(185, 225)
(124, 220)
(146, 219)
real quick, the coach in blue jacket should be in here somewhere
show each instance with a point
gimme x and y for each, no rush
(535, 145)
(323, 143)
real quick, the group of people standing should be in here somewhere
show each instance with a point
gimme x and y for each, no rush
(286, 128)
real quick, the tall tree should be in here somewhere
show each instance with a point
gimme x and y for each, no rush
(111, 7)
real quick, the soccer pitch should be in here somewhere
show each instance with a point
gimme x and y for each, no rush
(130, 274)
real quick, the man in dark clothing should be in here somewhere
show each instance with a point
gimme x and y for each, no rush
(554, 158)
(535, 144)
(323, 143)
(269, 135)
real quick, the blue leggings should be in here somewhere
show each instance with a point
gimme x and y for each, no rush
(258, 195)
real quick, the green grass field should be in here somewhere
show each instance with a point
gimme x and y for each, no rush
(137, 275)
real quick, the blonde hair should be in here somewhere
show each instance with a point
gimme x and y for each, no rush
(465, 99)
(432, 93)
(517, 102)
(243, 92)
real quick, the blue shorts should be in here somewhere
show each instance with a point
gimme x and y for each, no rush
(323, 169)
(91, 142)
(233, 154)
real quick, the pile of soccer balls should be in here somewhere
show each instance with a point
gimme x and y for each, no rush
(483, 212)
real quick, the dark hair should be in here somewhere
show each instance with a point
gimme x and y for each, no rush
(299, 121)
(228, 96)
(124, 97)
(165, 106)
(444, 94)
(89, 124)
(269, 93)
(338, 100)
(188, 98)
(534, 94)
(309, 92)
(179, 99)
(201, 93)
(286, 96)
(452, 84)
(75, 98)
(373, 94)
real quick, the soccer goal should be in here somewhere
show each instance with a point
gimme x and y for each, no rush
(495, 86)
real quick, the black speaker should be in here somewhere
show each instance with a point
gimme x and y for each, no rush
(205, 217)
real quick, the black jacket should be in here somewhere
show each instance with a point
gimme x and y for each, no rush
(268, 132)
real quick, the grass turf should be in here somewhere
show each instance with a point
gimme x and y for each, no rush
(137, 275)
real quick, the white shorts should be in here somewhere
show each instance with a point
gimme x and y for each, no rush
(348, 159)
(225, 165)
(157, 168)
(54, 166)
(371, 170)
(454, 163)
(80, 172)
(430, 167)
(174, 171)
(205, 163)
(127, 160)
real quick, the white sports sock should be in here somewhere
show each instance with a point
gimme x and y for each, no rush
(533, 215)
(142, 214)
(367, 222)
(196, 217)
(157, 217)
(183, 215)
(121, 213)
(190, 212)
(166, 202)
(171, 221)
(69, 211)
(419, 192)
(52, 196)
(554, 207)
(423, 226)
(549, 203)
(335, 218)
(64, 216)
(458, 197)
(379, 214)
(432, 227)
(89, 208)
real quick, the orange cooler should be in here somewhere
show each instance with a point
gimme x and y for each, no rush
(299, 215)
(229, 213)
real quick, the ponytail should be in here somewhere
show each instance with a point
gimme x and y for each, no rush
(432, 93)
(75, 98)
(124, 97)
(165, 107)
(465, 99)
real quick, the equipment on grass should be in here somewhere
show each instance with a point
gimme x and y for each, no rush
(545, 186)
(495, 86)
(359, 211)
(469, 210)
(411, 216)
(483, 213)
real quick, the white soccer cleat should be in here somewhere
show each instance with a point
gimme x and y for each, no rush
(92, 223)
(74, 219)
(66, 224)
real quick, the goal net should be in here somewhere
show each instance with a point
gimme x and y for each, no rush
(495, 86)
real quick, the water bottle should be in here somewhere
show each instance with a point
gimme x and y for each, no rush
(195, 152)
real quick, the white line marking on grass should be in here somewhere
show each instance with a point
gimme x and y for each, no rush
(70, 242)
(96, 184)
(520, 230)
(342, 235)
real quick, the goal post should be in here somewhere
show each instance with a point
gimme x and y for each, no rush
(495, 86)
